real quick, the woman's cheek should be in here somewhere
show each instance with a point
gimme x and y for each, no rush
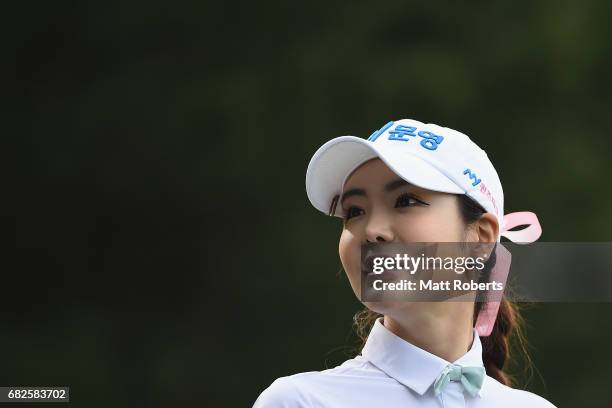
(350, 256)
(427, 229)
(413, 230)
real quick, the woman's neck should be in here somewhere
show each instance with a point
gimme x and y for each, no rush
(443, 329)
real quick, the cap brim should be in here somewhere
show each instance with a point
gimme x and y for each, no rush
(336, 159)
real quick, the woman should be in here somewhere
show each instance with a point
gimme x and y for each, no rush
(414, 182)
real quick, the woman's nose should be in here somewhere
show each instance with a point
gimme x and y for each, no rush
(379, 229)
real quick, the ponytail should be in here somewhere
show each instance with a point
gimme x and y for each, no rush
(496, 346)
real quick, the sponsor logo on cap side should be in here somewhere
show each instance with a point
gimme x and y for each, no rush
(483, 188)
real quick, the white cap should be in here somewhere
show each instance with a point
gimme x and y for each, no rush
(426, 155)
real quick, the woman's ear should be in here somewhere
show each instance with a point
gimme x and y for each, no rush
(487, 228)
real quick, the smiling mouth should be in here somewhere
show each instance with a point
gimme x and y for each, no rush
(367, 269)
(367, 265)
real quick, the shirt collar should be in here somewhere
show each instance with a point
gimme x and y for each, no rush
(409, 364)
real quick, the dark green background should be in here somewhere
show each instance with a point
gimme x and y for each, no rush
(162, 247)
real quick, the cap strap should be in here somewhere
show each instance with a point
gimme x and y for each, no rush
(524, 236)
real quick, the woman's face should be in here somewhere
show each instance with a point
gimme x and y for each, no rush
(379, 206)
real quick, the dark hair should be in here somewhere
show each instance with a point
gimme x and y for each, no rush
(496, 346)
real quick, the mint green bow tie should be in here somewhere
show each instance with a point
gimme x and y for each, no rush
(471, 378)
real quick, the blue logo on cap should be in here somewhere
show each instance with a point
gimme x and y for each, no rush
(472, 177)
(402, 133)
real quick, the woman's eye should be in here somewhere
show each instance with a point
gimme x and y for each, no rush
(406, 200)
(352, 212)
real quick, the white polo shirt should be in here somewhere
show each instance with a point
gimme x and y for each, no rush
(392, 372)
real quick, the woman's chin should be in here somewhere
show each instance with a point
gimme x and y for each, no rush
(388, 306)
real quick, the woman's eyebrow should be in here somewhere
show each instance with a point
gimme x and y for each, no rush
(352, 192)
(395, 184)
(392, 185)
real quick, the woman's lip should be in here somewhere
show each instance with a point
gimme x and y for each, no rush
(368, 263)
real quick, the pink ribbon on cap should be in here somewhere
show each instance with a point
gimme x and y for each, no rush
(488, 313)
(524, 236)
